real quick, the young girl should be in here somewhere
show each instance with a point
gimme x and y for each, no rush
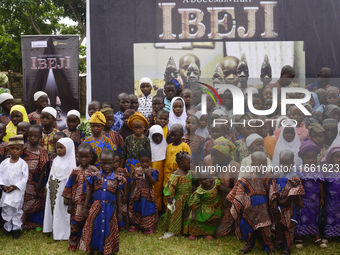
(205, 208)
(158, 152)
(178, 113)
(177, 190)
(56, 218)
(142, 209)
(331, 128)
(100, 232)
(73, 120)
(18, 114)
(332, 190)
(125, 131)
(48, 118)
(37, 160)
(75, 192)
(6, 103)
(314, 102)
(202, 125)
(288, 140)
(145, 102)
(318, 136)
(134, 144)
(313, 185)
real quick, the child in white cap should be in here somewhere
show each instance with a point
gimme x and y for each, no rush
(6, 103)
(73, 121)
(48, 118)
(41, 101)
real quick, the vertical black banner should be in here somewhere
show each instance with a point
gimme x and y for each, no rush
(51, 64)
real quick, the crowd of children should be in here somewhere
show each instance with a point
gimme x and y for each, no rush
(122, 171)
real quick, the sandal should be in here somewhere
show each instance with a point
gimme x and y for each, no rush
(192, 237)
(148, 231)
(320, 243)
(299, 244)
(209, 237)
(285, 251)
(133, 228)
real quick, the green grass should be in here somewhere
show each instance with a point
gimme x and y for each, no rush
(32, 242)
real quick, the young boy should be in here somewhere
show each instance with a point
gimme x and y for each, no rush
(37, 160)
(115, 138)
(145, 102)
(186, 94)
(289, 188)
(134, 104)
(6, 103)
(22, 129)
(107, 104)
(13, 179)
(162, 119)
(41, 101)
(73, 120)
(85, 127)
(3, 144)
(98, 141)
(123, 103)
(157, 105)
(170, 93)
(331, 128)
(228, 102)
(48, 117)
(252, 198)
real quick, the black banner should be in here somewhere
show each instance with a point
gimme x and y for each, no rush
(50, 64)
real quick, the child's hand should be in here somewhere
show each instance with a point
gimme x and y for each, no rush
(170, 200)
(322, 202)
(300, 204)
(69, 209)
(85, 212)
(119, 217)
(4, 188)
(11, 188)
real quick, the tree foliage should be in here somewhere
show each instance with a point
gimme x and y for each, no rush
(36, 17)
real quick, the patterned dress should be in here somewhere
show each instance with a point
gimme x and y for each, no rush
(76, 136)
(290, 187)
(118, 121)
(142, 208)
(34, 201)
(5, 119)
(251, 198)
(124, 223)
(242, 151)
(3, 150)
(85, 128)
(307, 217)
(145, 105)
(100, 232)
(208, 206)
(132, 147)
(46, 141)
(34, 118)
(76, 190)
(332, 201)
(116, 139)
(99, 145)
(179, 188)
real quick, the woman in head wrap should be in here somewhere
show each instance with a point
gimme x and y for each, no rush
(145, 102)
(331, 128)
(18, 114)
(332, 190)
(98, 141)
(125, 131)
(134, 144)
(312, 182)
(222, 156)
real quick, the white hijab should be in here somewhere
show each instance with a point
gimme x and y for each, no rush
(203, 132)
(158, 151)
(63, 166)
(173, 119)
(293, 146)
(337, 138)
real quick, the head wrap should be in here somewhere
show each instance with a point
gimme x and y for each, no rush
(332, 88)
(17, 139)
(38, 94)
(337, 138)
(107, 111)
(316, 101)
(145, 80)
(178, 83)
(11, 129)
(50, 110)
(251, 138)
(137, 116)
(125, 131)
(158, 151)
(224, 146)
(308, 146)
(202, 132)
(330, 122)
(63, 166)
(3, 79)
(278, 121)
(173, 119)
(293, 146)
(328, 109)
(219, 112)
(98, 118)
(316, 128)
(74, 112)
(327, 159)
(5, 96)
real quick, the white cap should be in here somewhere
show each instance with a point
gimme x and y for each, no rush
(251, 138)
(38, 94)
(50, 110)
(145, 80)
(74, 112)
(5, 96)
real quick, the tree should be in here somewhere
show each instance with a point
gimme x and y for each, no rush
(36, 17)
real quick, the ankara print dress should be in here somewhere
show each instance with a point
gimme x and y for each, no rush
(100, 232)
(124, 223)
